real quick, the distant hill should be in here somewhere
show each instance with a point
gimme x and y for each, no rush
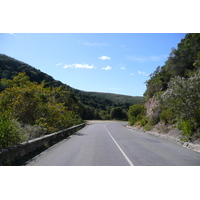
(10, 67)
(123, 101)
(93, 102)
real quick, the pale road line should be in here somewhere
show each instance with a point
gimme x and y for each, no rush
(126, 157)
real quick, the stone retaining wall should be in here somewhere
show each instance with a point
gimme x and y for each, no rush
(16, 153)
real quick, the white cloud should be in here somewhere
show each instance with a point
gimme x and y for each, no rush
(13, 34)
(104, 58)
(143, 73)
(122, 66)
(95, 44)
(58, 64)
(139, 72)
(79, 66)
(107, 68)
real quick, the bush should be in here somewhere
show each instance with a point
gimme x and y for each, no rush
(136, 113)
(104, 115)
(188, 128)
(166, 116)
(182, 99)
(143, 122)
(34, 104)
(11, 132)
(118, 113)
(34, 131)
(155, 118)
(148, 126)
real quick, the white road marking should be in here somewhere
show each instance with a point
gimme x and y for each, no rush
(126, 157)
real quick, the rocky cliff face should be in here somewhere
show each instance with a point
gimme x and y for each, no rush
(151, 104)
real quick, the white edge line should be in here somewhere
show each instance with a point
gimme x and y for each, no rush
(126, 157)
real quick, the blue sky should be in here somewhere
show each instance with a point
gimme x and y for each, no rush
(101, 62)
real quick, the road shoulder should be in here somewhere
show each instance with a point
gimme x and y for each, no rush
(170, 136)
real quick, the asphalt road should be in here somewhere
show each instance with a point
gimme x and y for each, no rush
(112, 144)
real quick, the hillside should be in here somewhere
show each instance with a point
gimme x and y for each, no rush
(92, 102)
(172, 97)
(123, 101)
(103, 100)
(10, 67)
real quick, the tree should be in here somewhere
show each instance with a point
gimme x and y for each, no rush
(183, 61)
(118, 113)
(104, 115)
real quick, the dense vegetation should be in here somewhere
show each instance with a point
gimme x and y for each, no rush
(176, 88)
(29, 110)
(92, 102)
(99, 105)
(32, 103)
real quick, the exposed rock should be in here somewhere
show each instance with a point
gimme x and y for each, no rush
(151, 104)
(166, 131)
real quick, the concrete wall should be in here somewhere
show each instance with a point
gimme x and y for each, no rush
(13, 154)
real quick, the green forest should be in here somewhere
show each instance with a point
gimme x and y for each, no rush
(32, 103)
(175, 87)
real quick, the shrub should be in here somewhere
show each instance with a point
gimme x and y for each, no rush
(11, 132)
(182, 98)
(118, 113)
(166, 116)
(148, 126)
(188, 128)
(155, 117)
(143, 122)
(34, 131)
(136, 113)
(104, 115)
(31, 103)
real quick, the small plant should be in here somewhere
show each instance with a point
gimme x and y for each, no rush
(188, 129)
(34, 131)
(166, 116)
(148, 127)
(143, 122)
(155, 117)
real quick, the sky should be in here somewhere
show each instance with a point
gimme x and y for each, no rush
(117, 63)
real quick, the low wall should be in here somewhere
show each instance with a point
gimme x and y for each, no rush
(15, 153)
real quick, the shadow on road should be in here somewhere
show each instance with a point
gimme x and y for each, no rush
(79, 134)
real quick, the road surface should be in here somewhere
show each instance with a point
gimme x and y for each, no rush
(106, 143)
